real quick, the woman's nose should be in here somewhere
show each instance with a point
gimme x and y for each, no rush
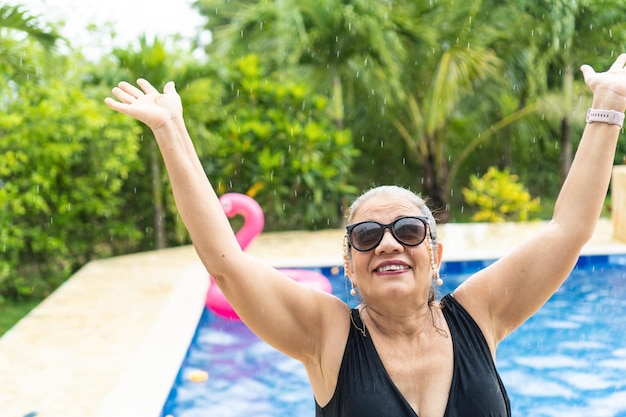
(388, 243)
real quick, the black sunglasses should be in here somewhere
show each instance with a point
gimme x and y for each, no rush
(409, 231)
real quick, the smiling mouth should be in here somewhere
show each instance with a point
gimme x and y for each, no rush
(392, 268)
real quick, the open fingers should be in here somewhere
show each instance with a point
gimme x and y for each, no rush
(619, 63)
(169, 87)
(146, 86)
(122, 95)
(130, 89)
(115, 105)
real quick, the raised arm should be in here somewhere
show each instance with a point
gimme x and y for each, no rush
(504, 295)
(282, 312)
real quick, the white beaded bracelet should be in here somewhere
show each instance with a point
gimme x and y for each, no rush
(611, 117)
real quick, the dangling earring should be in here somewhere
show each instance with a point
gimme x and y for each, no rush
(436, 277)
(346, 260)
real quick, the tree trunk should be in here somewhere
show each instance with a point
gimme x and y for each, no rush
(434, 189)
(565, 139)
(566, 148)
(157, 197)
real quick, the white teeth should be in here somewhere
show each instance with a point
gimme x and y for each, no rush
(392, 268)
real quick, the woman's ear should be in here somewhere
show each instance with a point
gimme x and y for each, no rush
(439, 255)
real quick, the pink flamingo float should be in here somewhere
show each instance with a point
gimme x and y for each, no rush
(234, 204)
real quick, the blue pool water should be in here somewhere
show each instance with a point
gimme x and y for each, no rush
(569, 359)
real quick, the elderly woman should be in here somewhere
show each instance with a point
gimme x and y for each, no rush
(401, 352)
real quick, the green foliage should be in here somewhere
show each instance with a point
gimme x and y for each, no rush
(274, 140)
(13, 311)
(79, 181)
(499, 197)
(481, 80)
(60, 179)
(17, 28)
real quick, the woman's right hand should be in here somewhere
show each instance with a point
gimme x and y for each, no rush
(608, 88)
(146, 104)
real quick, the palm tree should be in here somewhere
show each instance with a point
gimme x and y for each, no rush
(459, 69)
(570, 33)
(453, 75)
(17, 23)
(335, 44)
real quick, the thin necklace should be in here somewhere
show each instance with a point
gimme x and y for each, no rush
(354, 324)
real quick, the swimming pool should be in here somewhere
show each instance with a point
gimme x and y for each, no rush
(569, 359)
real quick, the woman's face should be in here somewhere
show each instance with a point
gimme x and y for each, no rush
(390, 271)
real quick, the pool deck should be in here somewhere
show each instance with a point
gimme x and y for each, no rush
(110, 341)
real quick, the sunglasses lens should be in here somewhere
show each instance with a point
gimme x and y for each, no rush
(366, 235)
(410, 231)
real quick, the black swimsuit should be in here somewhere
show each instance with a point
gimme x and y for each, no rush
(365, 390)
